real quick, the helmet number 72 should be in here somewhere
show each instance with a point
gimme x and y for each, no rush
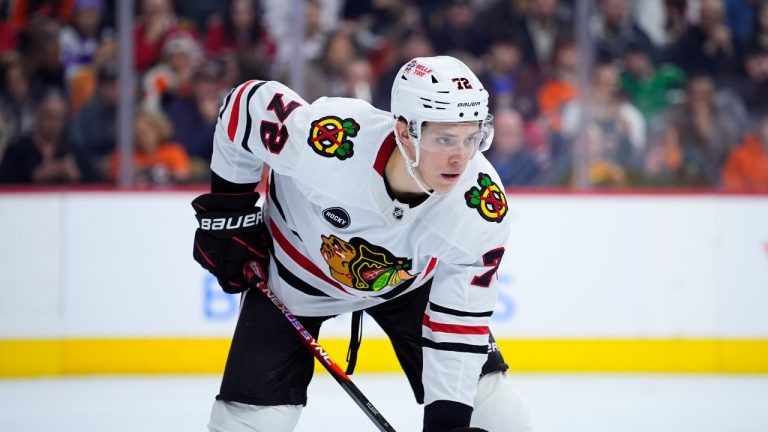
(462, 83)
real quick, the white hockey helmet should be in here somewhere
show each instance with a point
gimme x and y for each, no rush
(440, 89)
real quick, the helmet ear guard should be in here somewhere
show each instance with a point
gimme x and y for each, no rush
(413, 129)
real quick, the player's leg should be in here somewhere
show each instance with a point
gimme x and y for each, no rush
(401, 320)
(497, 406)
(235, 416)
(267, 373)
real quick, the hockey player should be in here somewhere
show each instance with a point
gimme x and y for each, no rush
(397, 214)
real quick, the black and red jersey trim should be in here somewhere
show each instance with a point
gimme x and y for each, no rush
(438, 327)
(273, 195)
(234, 115)
(455, 346)
(296, 282)
(442, 309)
(248, 120)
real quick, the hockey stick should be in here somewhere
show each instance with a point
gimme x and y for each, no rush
(252, 269)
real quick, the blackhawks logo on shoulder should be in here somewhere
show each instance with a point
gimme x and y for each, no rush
(329, 137)
(488, 199)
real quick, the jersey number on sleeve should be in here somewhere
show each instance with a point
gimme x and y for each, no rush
(274, 135)
(492, 259)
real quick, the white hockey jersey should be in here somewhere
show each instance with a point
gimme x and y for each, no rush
(342, 243)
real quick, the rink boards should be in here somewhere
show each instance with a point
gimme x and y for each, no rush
(104, 282)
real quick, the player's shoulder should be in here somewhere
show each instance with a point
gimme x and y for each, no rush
(339, 128)
(475, 213)
(349, 111)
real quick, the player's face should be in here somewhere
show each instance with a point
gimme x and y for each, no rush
(446, 149)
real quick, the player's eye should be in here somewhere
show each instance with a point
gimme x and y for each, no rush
(446, 142)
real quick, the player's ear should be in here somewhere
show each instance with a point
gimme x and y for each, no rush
(401, 129)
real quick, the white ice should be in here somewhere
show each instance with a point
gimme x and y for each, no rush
(558, 403)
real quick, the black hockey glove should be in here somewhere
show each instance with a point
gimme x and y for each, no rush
(230, 233)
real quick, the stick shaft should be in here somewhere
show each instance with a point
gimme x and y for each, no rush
(322, 356)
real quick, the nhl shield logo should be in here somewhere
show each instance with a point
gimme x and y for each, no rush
(489, 200)
(397, 213)
(329, 135)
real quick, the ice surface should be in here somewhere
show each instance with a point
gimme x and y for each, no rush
(559, 403)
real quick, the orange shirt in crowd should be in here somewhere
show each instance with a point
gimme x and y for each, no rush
(170, 155)
(552, 97)
(746, 169)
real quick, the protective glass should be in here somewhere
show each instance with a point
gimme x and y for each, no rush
(450, 141)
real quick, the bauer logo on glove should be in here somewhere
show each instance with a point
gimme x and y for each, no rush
(231, 222)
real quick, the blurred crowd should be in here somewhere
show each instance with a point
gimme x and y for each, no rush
(651, 93)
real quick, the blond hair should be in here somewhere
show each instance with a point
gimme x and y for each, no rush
(158, 120)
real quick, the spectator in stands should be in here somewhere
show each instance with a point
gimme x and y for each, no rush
(85, 47)
(80, 40)
(603, 169)
(44, 156)
(93, 129)
(194, 116)
(358, 80)
(377, 24)
(156, 159)
(18, 100)
(155, 24)
(620, 125)
(561, 85)
(758, 41)
(39, 48)
(240, 67)
(324, 76)
(413, 44)
(650, 17)
(241, 29)
(173, 75)
(456, 30)
(707, 47)
(614, 29)
(675, 20)
(496, 17)
(540, 29)
(200, 13)
(315, 34)
(510, 84)
(699, 135)
(752, 87)
(746, 169)
(649, 87)
(514, 162)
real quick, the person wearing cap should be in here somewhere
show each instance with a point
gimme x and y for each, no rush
(395, 214)
(80, 41)
(94, 145)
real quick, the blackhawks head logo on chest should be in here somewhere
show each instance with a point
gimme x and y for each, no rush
(363, 266)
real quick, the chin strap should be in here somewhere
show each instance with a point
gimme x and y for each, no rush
(410, 165)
